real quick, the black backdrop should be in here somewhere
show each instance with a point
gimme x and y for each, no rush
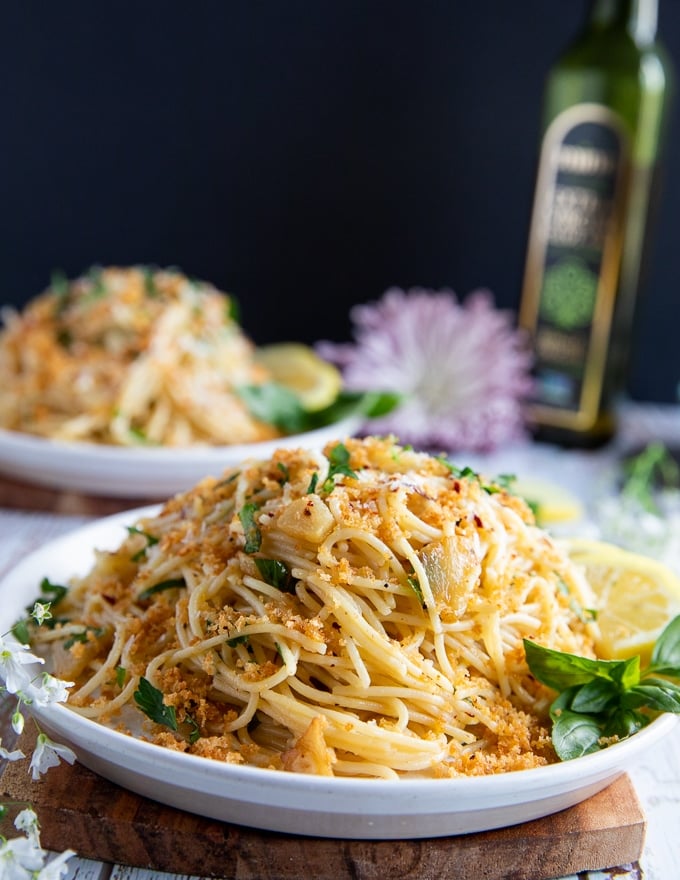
(304, 155)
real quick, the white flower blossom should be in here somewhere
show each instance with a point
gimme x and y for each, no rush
(27, 821)
(14, 657)
(48, 754)
(41, 612)
(20, 858)
(56, 868)
(15, 755)
(18, 722)
(50, 690)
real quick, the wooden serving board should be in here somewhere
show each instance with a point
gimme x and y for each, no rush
(100, 820)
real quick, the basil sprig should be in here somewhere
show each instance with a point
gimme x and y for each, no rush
(277, 405)
(603, 701)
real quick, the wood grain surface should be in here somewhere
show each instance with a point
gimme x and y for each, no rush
(103, 821)
(19, 495)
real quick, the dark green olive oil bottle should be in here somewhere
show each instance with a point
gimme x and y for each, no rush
(605, 113)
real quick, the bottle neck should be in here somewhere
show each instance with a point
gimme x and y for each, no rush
(638, 17)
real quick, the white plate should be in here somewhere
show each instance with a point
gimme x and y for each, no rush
(125, 472)
(297, 803)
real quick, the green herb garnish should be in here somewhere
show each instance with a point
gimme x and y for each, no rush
(274, 404)
(284, 471)
(161, 586)
(414, 583)
(653, 467)
(339, 465)
(83, 636)
(54, 593)
(150, 541)
(251, 530)
(150, 701)
(311, 489)
(234, 309)
(277, 405)
(602, 701)
(276, 574)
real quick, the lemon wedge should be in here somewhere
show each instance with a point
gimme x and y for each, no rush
(637, 597)
(313, 380)
(552, 502)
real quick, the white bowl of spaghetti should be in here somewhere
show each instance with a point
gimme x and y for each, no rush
(337, 639)
(136, 382)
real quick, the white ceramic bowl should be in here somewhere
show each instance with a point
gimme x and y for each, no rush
(139, 472)
(298, 803)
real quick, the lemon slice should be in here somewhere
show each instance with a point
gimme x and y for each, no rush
(637, 597)
(315, 382)
(552, 502)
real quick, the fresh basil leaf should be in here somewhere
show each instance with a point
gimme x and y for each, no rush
(83, 636)
(624, 723)
(559, 670)
(364, 404)
(150, 701)
(54, 592)
(161, 586)
(666, 654)
(654, 693)
(251, 530)
(595, 696)
(275, 405)
(375, 404)
(276, 574)
(21, 632)
(625, 672)
(574, 735)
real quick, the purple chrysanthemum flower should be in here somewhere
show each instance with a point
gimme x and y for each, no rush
(462, 368)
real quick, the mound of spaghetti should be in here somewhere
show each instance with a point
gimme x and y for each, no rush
(127, 356)
(358, 611)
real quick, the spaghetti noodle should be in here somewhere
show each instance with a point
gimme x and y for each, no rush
(129, 356)
(358, 611)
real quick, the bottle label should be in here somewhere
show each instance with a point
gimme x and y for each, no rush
(573, 263)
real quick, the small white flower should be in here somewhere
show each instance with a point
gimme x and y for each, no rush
(57, 867)
(14, 657)
(41, 612)
(48, 754)
(50, 690)
(27, 821)
(19, 858)
(15, 755)
(18, 722)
